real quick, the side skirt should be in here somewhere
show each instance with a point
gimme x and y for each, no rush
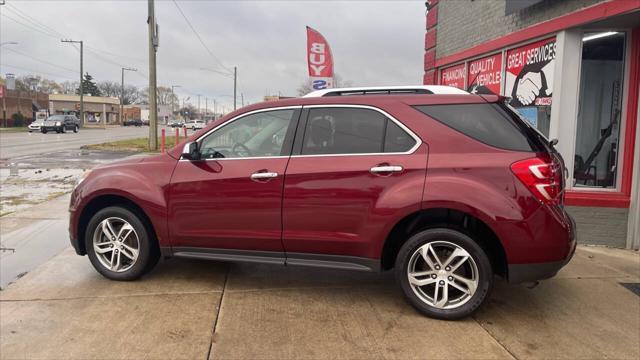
(276, 258)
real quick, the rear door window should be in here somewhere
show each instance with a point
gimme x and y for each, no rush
(337, 130)
(488, 123)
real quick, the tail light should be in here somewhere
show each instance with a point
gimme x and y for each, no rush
(542, 177)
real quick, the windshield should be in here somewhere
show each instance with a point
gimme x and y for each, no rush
(56, 118)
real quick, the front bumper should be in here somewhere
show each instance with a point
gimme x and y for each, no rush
(519, 273)
(51, 128)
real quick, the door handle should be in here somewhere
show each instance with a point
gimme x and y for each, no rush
(263, 175)
(386, 169)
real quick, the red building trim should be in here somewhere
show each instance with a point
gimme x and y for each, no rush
(576, 18)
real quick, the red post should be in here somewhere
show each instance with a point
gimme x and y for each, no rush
(162, 141)
(177, 135)
(185, 132)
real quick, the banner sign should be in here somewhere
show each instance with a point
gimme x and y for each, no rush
(320, 61)
(485, 75)
(453, 76)
(529, 73)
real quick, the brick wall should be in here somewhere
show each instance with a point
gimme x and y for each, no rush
(601, 226)
(466, 23)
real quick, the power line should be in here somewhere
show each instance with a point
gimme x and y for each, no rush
(38, 72)
(34, 21)
(29, 26)
(200, 39)
(42, 61)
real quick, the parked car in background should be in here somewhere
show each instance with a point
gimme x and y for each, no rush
(444, 187)
(175, 123)
(145, 122)
(60, 124)
(36, 125)
(194, 124)
(132, 122)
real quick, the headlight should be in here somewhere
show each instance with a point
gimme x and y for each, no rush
(57, 123)
(84, 176)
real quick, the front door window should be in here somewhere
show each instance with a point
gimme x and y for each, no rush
(257, 135)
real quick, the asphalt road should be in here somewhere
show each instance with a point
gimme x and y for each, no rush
(21, 144)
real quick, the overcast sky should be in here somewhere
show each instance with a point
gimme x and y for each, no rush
(373, 42)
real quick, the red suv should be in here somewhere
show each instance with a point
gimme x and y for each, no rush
(445, 187)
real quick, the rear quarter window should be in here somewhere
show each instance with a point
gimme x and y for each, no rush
(488, 123)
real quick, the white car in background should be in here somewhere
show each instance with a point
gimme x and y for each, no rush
(36, 125)
(194, 124)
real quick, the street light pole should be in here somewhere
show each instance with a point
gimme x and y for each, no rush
(235, 86)
(82, 120)
(122, 93)
(173, 99)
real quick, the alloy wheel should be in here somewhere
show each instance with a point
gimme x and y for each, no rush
(116, 244)
(443, 274)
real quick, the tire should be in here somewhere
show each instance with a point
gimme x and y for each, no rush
(63, 130)
(76, 129)
(476, 270)
(44, 131)
(129, 268)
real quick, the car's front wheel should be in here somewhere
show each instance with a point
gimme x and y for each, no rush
(119, 245)
(444, 273)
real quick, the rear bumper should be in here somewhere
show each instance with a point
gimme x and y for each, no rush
(519, 273)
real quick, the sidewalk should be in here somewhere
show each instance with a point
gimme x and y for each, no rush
(192, 309)
(31, 236)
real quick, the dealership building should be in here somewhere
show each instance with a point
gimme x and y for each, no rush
(572, 69)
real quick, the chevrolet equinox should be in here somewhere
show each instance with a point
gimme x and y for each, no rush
(446, 188)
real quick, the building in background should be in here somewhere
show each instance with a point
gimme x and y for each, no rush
(98, 110)
(26, 103)
(141, 111)
(572, 69)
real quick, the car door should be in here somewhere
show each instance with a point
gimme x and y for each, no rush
(354, 171)
(232, 198)
(68, 123)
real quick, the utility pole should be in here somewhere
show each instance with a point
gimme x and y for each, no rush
(153, 102)
(242, 98)
(173, 99)
(199, 105)
(235, 85)
(81, 85)
(122, 93)
(215, 109)
(206, 107)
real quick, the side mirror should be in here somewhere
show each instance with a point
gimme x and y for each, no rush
(190, 151)
(553, 142)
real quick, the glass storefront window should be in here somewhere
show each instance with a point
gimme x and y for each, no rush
(529, 76)
(599, 110)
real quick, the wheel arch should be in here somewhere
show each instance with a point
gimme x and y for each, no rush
(445, 217)
(105, 200)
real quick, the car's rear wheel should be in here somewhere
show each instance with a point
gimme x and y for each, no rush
(444, 273)
(76, 129)
(119, 245)
(44, 131)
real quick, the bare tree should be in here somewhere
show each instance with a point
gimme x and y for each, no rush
(69, 87)
(37, 83)
(164, 95)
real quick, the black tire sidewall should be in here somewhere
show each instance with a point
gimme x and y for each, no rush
(477, 253)
(145, 255)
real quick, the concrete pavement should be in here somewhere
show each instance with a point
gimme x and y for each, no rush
(25, 143)
(191, 309)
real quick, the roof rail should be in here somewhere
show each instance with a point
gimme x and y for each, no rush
(388, 90)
